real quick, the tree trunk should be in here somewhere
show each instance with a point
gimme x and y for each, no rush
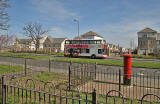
(37, 46)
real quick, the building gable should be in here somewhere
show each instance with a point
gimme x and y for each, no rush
(89, 35)
(147, 30)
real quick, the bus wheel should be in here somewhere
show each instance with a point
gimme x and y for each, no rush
(93, 57)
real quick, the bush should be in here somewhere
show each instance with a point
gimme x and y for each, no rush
(55, 53)
(152, 54)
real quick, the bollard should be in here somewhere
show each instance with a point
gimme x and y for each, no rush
(127, 69)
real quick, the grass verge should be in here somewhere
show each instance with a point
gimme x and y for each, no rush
(24, 55)
(4, 69)
(145, 57)
(110, 62)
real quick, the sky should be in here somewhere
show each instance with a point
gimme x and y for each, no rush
(118, 21)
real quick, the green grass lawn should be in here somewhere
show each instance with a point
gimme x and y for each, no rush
(109, 62)
(55, 53)
(10, 68)
(47, 76)
(24, 55)
(145, 57)
(40, 52)
(58, 79)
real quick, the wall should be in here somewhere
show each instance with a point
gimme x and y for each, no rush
(62, 46)
(147, 42)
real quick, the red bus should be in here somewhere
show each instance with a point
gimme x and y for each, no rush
(85, 48)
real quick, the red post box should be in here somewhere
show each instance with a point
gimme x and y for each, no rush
(127, 69)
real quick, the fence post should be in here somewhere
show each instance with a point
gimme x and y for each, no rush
(49, 65)
(119, 81)
(69, 76)
(0, 89)
(3, 90)
(94, 98)
(25, 66)
(95, 67)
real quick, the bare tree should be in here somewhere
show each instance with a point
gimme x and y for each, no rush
(4, 18)
(6, 40)
(35, 32)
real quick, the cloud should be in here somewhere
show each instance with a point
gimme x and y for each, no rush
(126, 30)
(53, 9)
(57, 31)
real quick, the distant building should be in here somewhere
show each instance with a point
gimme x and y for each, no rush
(47, 43)
(28, 44)
(95, 36)
(90, 35)
(22, 44)
(41, 43)
(148, 41)
(55, 44)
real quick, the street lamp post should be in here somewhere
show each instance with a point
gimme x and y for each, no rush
(75, 20)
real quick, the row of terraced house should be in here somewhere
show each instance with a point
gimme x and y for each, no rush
(47, 43)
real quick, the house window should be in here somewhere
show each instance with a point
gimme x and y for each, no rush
(144, 35)
(151, 50)
(158, 42)
(142, 42)
(152, 41)
(87, 50)
(90, 37)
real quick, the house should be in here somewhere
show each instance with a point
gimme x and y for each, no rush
(47, 43)
(90, 35)
(28, 44)
(148, 41)
(55, 44)
(41, 43)
(22, 44)
(95, 36)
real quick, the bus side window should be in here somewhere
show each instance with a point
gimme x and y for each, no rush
(99, 51)
(83, 50)
(70, 42)
(67, 42)
(68, 50)
(80, 50)
(87, 50)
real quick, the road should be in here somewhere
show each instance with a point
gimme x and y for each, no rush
(64, 65)
(133, 59)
